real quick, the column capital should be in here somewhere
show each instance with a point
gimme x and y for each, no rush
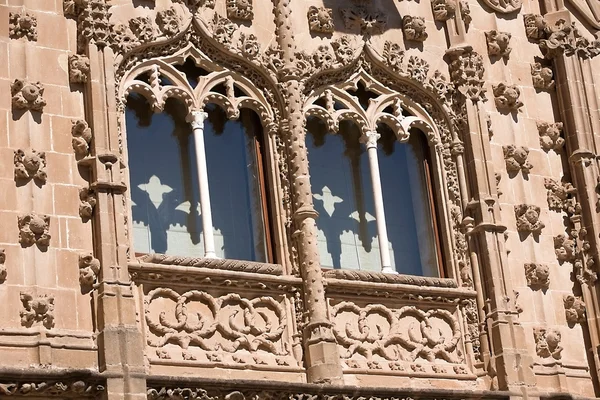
(196, 118)
(370, 139)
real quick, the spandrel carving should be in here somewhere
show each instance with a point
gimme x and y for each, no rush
(498, 43)
(547, 343)
(551, 135)
(82, 137)
(37, 310)
(414, 28)
(27, 95)
(574, 309)
(22, 26)
(30, 164)
(542, 77)
(79, 68)
(34, 229)
(506, 97)
(528, 219)
(320, 19)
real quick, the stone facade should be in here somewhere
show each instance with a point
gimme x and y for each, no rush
(507, 98)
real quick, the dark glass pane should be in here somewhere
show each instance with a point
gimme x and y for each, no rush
(163, 180)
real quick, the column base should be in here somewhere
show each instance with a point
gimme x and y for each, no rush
(323, 363)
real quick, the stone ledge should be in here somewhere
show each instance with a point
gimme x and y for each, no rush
(213, 263)
(380, 277)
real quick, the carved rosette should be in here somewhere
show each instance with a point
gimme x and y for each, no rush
(574, 309)
(37, 310)
(3, 271)
(27, 95)
(414, 28)
(515, 158)
(240, 9)
(30, 164)
(79, 68)
(528, 219)
(22, 26)
(551, 135)
(547, 342)
(506, 97)
(34, 229)
(320, 19)
(87, 202)
(82, 137)
(89, 268)
(537, 275)
(498, 43)
(542, 77)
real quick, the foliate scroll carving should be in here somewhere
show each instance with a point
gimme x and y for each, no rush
(550, 135)
(542, 77)
(244, 325)
(537, 275)
(504, 6)
(169, 22)
(142, 28)
(89, 268)
(507, 97)
(87, 202)
(34, 229)
(82, 137)
(27, 95)
(417, 69)
(320, 19)
(240, 9)
(469, 309)
(547, 343)
(414, 28)
(363, 18)
(466, 71)
(30, 164)
(22, 26)
(516, 159)
(498, 43)
(528, 219)
(50, 389)
(38, 309)
(574, 309)
(535, 26)
(397, 336)
(79, 68)
(560, 196)
(3, 271)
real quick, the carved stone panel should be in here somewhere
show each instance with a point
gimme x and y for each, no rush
(414, 28)
(547, 343)
(34, 229)
(37, 310)
(506, 97)
(30, 164)
(550, 135)
(27, 95)
(320, 19)
(498, 43)
(22, 26)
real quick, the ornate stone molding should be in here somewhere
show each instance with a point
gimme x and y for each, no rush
(528, 219)
(537, 275)
(506, 97)
(30, 164)
(82, 137)
(550, 135)
(368, 276)
(574, 309)
(320, 19)
(515, 158)
(51, 389)
(27, 96)
(240, 9)
(89, 268)
(87, 202)
(498, 43)
(414, 28)
(3, 270)
(37, 310)
(214, 263)
(542, 77)
(34, 229)
(547, 343)
(79, 68)
(22, 26)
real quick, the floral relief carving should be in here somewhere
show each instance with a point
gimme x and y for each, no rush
(240, 9)
(34, 229)
(528, 219)
(560, 196)
(498, 43)
(87, 202)
(393, 55)
(82, 137)
(542, 77)
(516, 159)
(574, 309)
(3, 270)
(537, 275)
(507, 97)
(22, 26)
(320, 19)
(30, 164)
(38, 309)
(550, 135)
(418, 68)
(547, 343)
(27, 95)
(414, 28)
(169, 22)
(89, 268)
(79, 68)
(535, 26)
(142, 28)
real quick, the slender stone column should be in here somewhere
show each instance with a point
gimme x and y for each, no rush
(384, 250)
(197, 121)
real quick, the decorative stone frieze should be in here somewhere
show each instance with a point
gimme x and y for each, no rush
(535, 26)
(550, 135)
(537, 275)
(564, 248)
(574, 309)
(515, 158)
(3, 270)
(30, 164)
(414, 28)
(34, 229)
(528, 219)
(87, 202)
(89, 268)
(82, 137)
(542, 77)
(22, 25)
(169, 22)
(240, 9)
(320, 19)
(560, 196)
(79, 68)
(547, 343)
(498, 43)
(506, 97)
(27, 95)
(37, 310)
(65, 389)
(362, 17)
